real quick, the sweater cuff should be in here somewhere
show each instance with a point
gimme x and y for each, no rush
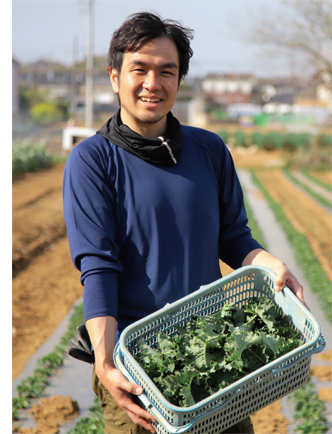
(100, 297)
(240, 249)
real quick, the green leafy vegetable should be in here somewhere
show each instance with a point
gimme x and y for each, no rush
(211, 352)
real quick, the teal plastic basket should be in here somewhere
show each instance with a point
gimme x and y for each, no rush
(244, 397)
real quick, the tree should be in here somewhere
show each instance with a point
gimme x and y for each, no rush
(304, 28)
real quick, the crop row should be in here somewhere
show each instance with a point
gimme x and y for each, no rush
(306, 258)
(274, 139)
(322, 200)
(33, 386)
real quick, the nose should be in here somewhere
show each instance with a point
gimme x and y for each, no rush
(151, 82)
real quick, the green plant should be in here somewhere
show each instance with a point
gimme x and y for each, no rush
(293, 141)
(47, 112)
(273, 140)
(210, 352)
(33, 386)
(240, 138)
(29, 97)
(325, 140)
(309, 410)
(93, 424)
(224, 135)
(257, 138)
(29, 157)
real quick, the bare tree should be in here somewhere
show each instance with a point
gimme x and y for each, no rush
(304, 29)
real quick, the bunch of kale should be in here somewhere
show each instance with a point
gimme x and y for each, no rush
(211, 352)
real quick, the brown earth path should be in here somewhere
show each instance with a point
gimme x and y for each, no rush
(324, 176)
(45, 283)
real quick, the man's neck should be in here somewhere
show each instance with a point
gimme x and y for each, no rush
(147, 130)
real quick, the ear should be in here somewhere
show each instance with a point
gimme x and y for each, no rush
(115, 78)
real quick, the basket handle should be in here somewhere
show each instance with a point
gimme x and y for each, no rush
(155, 412)
(318, 349)
(182, 429)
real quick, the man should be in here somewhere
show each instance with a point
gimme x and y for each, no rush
(150, 207)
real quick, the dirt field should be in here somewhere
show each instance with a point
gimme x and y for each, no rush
(45, 283)
(325, 176)
(306, 216)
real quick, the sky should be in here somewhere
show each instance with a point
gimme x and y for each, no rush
(57, 30)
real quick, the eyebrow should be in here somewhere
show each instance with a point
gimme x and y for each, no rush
(163, 65)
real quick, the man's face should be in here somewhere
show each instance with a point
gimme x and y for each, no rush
(147, 86)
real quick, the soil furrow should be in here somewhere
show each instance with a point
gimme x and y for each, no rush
(42, 295)
(305, 215)
(23, 258)
(26, 188)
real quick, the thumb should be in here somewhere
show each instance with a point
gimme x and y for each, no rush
(132, 388)
(279, 284)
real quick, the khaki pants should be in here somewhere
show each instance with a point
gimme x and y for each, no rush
(117, 420)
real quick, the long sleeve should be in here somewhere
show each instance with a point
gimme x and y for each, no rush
(89, 215)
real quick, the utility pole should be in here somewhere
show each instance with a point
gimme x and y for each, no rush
(73, 90)
(89, 68)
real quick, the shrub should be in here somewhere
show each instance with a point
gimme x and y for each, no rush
(224, 135)
(240, 138)
(294, 141)
(257, 139)
(47, 112)
(274, 140)
(29, 157)
(326, 140)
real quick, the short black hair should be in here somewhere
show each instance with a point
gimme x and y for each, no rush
(141, 28)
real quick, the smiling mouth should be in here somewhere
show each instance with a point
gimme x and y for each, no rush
(150, 100)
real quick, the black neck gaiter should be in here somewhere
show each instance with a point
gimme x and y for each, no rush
(163, 150)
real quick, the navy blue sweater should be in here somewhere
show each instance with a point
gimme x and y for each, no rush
(144, 235)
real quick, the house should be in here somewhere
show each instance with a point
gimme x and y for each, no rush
(225, 89)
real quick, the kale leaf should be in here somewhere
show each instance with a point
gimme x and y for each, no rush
(210, 352)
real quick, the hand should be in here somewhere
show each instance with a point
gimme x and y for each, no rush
(283, 274)
(121, 390)
(102, 334)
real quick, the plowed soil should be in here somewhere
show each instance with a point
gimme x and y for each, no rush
(46, 285)
(324, 176)
(305, 214)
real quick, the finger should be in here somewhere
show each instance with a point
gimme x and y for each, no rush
(298, 290)
(280, 280)
(126, 403)
(142, 422)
